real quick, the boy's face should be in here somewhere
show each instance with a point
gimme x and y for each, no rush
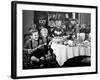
(44, 32)
(58, 23)
(35, 36)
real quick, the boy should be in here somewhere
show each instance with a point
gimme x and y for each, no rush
(50, 58)
(33, 49)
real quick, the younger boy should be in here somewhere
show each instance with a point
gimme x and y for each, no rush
(50, 58)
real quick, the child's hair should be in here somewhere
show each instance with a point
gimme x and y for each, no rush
(44, 29)
(31, 30)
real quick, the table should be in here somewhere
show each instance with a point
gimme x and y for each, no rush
(63, 52)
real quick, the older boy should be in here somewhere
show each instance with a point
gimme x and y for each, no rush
(33, 48)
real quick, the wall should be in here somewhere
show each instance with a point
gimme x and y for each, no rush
(28, 20)
(85, 19)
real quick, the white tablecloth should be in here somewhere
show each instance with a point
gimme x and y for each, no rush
(63, 53)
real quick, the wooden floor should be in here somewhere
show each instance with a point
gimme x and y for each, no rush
(78, 61)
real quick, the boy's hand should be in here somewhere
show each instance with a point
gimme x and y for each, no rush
(29, 51)
(46, 55)
(42, 58)
(33, 58)
(41, 65)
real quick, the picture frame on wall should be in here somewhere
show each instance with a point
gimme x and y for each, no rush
(50, 39)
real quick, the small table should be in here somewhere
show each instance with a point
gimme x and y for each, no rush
(65, 52)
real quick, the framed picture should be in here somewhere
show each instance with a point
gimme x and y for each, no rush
(53, 39)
